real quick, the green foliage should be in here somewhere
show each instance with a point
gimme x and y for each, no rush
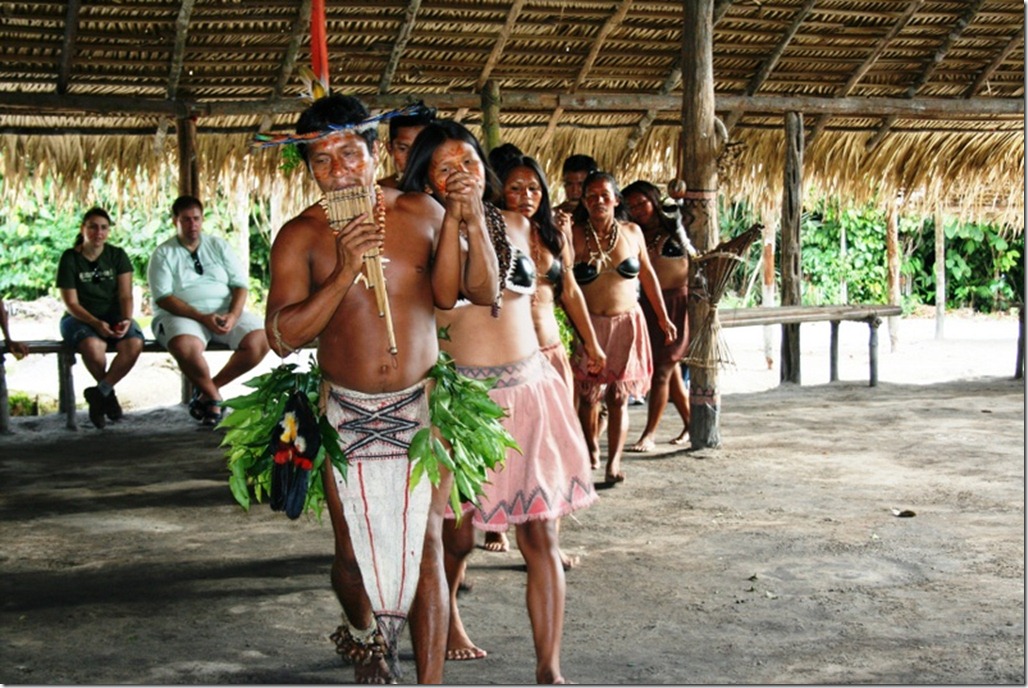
(733, 220)
(984, 268)
(567, 330)
(466, 417)
(34, 236)
(824, 264)
(249, 429)
(23, 404)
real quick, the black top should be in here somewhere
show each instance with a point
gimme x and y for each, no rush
(521, 274)
(587, 272)
(556, 272)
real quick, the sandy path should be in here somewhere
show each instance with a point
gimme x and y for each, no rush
(776, 559)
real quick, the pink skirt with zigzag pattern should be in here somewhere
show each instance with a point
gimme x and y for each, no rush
(551, 476)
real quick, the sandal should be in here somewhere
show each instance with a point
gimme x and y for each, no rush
(199, 408)
(212, 417)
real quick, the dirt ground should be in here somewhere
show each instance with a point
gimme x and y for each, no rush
(778, 558)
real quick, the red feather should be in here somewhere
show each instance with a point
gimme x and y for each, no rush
(319, 42)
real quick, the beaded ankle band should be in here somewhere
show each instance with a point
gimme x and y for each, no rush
(364, 648)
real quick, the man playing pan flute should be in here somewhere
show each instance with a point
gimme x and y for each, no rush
(328, 284)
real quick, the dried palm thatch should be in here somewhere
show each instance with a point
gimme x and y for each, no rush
(712, 273)
(603, 78)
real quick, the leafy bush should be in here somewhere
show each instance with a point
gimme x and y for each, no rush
(984, 265)
(34, 236)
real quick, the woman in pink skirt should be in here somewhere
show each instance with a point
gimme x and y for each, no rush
(551, 475)
(525, 191)
(611, 262)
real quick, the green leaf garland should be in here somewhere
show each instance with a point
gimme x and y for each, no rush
(462, 414)
(249, 427)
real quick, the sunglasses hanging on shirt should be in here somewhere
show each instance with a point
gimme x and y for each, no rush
(196, 263)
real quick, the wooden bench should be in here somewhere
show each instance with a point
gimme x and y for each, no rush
(787, 315)
(66, 381)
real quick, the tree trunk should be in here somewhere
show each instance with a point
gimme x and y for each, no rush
(699, 170)
(893, 271)
(490, 115)
(188, 168)
(767, 287)
(792, 271)
(940, 273)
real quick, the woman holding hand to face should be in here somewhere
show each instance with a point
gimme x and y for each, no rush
(550, 476)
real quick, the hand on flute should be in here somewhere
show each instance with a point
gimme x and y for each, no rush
(358, 237)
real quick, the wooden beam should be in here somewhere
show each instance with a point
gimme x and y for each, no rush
(962, 22)
(501, 42)
(71, 27)
(758, 79)
(865, 66)
(496, 52)
(299, 32)
(43, 104)
(410, 15)
(609, 25)
(986, 74)
(671, 82)
(178, 52)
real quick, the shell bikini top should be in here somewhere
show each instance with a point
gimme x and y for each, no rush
(520, 277)
(672, 248)
(587, 272)
(556, 272)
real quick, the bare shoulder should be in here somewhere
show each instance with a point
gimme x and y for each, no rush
(414, 203)
(517, 224)
(633, 230)
(415, 212)
(305, 228)
(635, 233)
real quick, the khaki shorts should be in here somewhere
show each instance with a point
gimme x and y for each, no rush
(166, 327)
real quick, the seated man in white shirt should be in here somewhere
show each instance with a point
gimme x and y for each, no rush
(199, 290)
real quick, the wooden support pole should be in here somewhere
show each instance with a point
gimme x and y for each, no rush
(767, 286)
(490, 115)
(892, 252)
(940, 273)
(66, 387)
(872, 350)
(833, 353)
(792, 270)
(5, 411)
(1019, 362)
(188, 167)
(699, 171)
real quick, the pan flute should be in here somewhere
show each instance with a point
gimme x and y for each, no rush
(342, 207)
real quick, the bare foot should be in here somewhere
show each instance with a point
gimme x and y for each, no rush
(568, 561)
(681, 439)
(496, 542)
(645, 444)
(615, 478)
(461, 654)
(375, 672)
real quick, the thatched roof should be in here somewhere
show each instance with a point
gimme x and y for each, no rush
(924, 97)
